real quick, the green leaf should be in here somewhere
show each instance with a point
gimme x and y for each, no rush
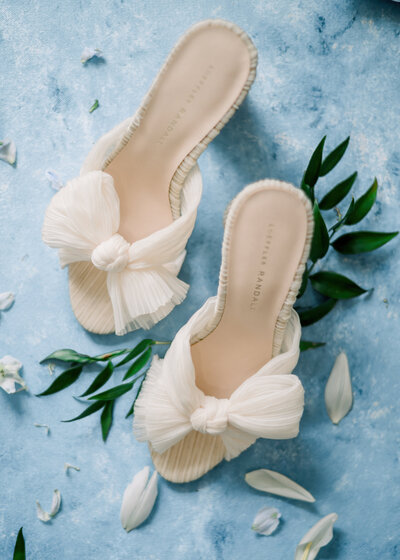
(311, 315)
(313, 169)
(337, 194)
(109, 355)
(362, 241)
(91, 409)
(363, 205)
(335, 285)
(64, 380)
(95, 105)
(333, 158)
(320, 241)
(342, 221)
(138, 364)
(100, 380)
(19, 549)
(68, 355)
(106, 419)
(139, 348)
(304, 281)
(132, 409)
(113, 393)
(308, 345)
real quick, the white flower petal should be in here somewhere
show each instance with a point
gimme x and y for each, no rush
(43, 426)
(132, 495)
(338, 390)
(266, 521)
(138, 499)
(318, 536)
(147, 501)
(6, 300)
(54, 179)
(276, 483)
(55, 506)
(88, 53)
(8, 151)
(67, 466)
(55, 503)
(42, 515)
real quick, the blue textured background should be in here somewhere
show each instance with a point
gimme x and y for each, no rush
(325, 68)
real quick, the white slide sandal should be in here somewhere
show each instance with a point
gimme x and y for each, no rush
(123, 224)
(227, 379)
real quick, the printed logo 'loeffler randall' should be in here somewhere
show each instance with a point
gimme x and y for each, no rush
(263, 267)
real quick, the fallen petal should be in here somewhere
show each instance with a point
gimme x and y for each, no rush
(8, 151)
(266, 521)
(88, 53)
(55, 506)
(42, 515)
(276, 483)
(318, 536)
(54, 180)
(6, 300)
(138, 499)
(67, 466)
(338, 390)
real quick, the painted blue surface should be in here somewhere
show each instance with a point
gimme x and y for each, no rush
(325, 68)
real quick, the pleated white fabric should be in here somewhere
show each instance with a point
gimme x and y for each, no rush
(82, 221)
(269, 404)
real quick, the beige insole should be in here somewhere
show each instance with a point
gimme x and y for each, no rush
(196, 90)
(201, 83)
(267, 244)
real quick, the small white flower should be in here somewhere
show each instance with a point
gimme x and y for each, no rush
(54, 179)
(266, 521)
(89, 53)
(138, 499)
(8, 151)
(9, 376)
(6, 300)
(55, 506)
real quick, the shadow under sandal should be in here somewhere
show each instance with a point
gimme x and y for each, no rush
(227, 379)
(123, 224)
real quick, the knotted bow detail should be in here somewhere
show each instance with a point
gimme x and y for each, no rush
(111, 255)
(212, 417)
(268, 404)
(82, 221)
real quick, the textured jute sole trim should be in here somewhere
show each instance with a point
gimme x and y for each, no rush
(198, 453)
(190, 458)
(86, 283)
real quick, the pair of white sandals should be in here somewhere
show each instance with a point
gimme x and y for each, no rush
(122, 227)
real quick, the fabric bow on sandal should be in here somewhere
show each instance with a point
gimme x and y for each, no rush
(82, 221)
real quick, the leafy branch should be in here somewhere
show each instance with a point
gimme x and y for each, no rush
(331, 285)
(137, 359)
